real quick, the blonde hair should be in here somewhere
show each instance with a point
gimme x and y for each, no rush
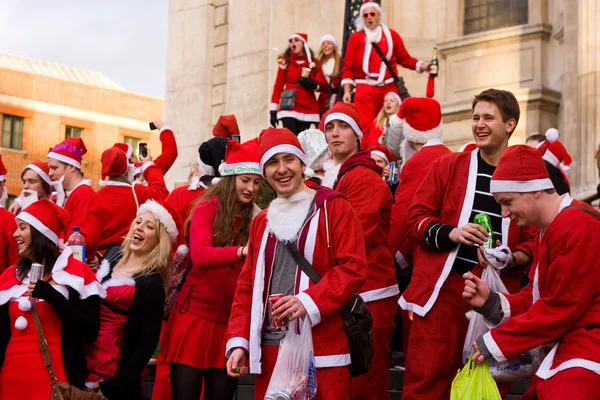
(336, 56)
(382, 117)
(160, 259)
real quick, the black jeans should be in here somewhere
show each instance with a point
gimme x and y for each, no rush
(294, 125)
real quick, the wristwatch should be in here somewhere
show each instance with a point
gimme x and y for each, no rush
(513, 261)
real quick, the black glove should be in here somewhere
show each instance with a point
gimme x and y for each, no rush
(308, 83)
(273, 118)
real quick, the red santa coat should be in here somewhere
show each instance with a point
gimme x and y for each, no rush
(183, 199)
(85, 210)
(371, 136)
(168, 153)
(446, 197)
(359, 180)
(305, 104)
(120, 207)
(8, 244)
(413, 173)
(331, 240)
(562, 301)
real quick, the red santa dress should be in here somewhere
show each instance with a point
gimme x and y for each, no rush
(435, 293)
(8, 244)
(331, 239)
(83, 205)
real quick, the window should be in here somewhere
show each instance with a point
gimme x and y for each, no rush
(71, 131)
(12, 132)
(133, 142)
(485, 15)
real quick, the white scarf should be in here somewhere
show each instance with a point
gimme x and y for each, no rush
(332, 171)
(286, 216)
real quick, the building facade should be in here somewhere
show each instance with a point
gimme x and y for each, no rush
(42, 103)
(222, 59)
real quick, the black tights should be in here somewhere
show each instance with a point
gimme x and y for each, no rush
(186, 383)
(294, 125)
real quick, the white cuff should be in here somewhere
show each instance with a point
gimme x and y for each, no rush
(273, 107)
(493, 347)
(234, 343)
(19, 201)
(402, 262)
(311, 308)
(145, 166)
(348, 82)
(164, 128)
(418, 67)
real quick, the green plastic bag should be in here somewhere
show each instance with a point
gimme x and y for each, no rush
(474, 382)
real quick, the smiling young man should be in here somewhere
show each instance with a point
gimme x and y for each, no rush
(561, 304)
(356, 175)
(327, 232)
(440, 224)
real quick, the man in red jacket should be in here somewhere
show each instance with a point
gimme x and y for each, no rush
(363, 67)
(358, 178)
(440, 223)
(561, 304)
(80, 200)
(328, 234)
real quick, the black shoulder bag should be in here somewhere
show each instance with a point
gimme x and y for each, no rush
(402, 90)
(358, 320)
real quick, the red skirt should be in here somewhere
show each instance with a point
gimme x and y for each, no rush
(194, 341)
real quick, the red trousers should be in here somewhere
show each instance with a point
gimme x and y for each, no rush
(571, 384)
(374, 384)
(332, 383)
(369, 101)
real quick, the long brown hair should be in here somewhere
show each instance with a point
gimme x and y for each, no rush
(336, 56)
(225, 233)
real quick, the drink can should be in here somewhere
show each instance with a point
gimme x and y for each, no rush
(393, 177)
(279, 325)
(284, 395)
(271, 396)
(485, 221)
(36, 272)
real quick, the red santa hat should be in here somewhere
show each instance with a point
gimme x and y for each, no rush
(226, 126)
(3, 170)
(383, 152)
(69, 151)
(165, 214)
(126, 148)
(329, 38)
(273, 141)
(47, 218)
(420, 118)
(369, 4)
(114, 162)
(554, 152)
(520, 170)
(304, 38)
(41, 168)
(343, 112)
(467, 147)
(241, 159)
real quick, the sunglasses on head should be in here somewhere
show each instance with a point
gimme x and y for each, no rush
(292, 40)
(367, 15)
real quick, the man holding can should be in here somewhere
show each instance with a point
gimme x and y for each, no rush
(440, 223)
(327, 232)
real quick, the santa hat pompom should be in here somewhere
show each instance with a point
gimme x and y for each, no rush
(565, 168)
(102, 183)
(24, 304)
(215, 180)
(552, 135)
(312, 65)
(182, 250)
(21, 323)
(395, 121)
(309, 172)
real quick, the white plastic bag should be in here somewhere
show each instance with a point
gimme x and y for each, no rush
(295, 375)
(524, 366)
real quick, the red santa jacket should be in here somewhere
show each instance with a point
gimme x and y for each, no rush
(413, 173)
(8, 244)
(168, 153)
(305, 104)
(359, 180)
(331, 240)
(561, 302)
(362, 64)
(447, 197)
(120, 207)
(85, 210)
(183, 200)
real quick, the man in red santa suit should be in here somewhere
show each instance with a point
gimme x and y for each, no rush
(78, 198)
(8, 226)
(440, 224)
(561, 304)
(120, 200)
(358, 178)
(363, 67)
(328, 233)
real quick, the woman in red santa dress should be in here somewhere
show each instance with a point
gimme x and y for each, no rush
(299, 70)
(373, 135)
(67, 299)
(217, 234)
(131, 316)
(330, 60)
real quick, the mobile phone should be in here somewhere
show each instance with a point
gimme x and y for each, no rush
(152, 126)
(143, 149)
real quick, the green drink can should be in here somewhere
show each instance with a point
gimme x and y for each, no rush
(484, 220)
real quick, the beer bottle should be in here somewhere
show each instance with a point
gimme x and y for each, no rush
(434, 64)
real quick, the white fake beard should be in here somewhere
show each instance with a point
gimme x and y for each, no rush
(60, 191)
(286, 216)
(331, 173)
(373, 35)
(4, 197)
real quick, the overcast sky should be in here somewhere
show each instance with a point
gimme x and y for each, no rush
(124, 39)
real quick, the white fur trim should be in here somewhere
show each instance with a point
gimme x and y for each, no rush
(395, 95)
(346, 118)
(2, 177)
(14, 292)
(565, 168)
(103, 270)
(370, 4)
(552, 135)
(281, 148)
(164, 128)
(551, 158)
(273, 107)
(40, 172)
(348, 81)
(380, 75)
(240, 168)
(336, 360)
(24, 304)
(161, 214)
(332, 171)
(299, 116)
(418, 67)
(309, 172)
(546, 372)
(257, 309)
(144, 167)
(329, 37)
(380, 154)
(422, 137)
(65, 159)
(115, 282)
(380, 139)
(234, 343)
(21, 323)
(378, 294)
(533, 185)
(285, 217)
(493, 348)
(37, 224)
(311, 308)
(215, 180)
